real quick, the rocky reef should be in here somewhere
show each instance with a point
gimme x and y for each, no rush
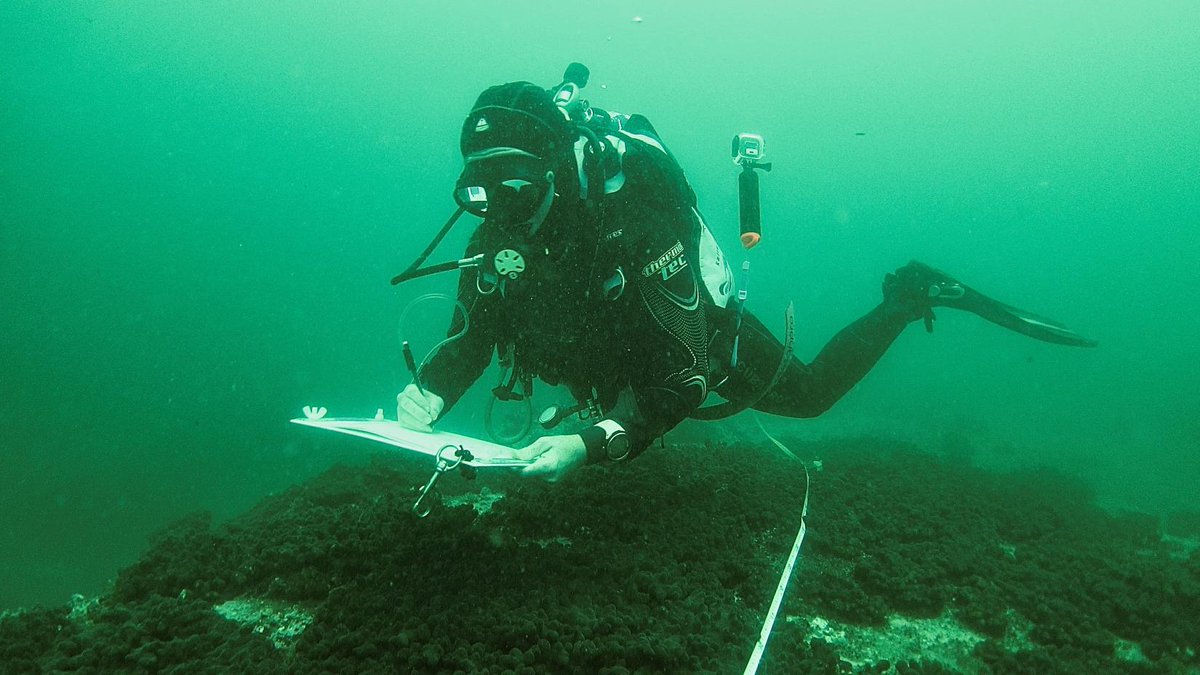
(914, 563)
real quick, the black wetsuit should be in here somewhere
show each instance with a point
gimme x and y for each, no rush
(646, 351)
(808, 390)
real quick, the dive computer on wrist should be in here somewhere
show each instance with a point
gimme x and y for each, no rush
(616, 441)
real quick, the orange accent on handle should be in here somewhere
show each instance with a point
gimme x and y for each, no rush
(750, 240)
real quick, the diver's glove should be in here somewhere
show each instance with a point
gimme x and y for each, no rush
(418, 408)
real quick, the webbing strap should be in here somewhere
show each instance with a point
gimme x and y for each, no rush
(728, 408)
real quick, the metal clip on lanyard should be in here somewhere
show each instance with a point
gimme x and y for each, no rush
(457, 456)
(743, 293)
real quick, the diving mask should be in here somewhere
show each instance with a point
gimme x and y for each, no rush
(505, 186)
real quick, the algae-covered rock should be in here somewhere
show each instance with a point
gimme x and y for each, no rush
(665, 564)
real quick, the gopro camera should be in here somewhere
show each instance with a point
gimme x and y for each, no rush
(748, 149)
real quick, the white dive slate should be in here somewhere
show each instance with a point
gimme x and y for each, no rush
(389, 432)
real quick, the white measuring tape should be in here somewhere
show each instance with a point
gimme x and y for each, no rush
(761, 645)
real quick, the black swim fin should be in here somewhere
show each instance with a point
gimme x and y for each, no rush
(942, 290)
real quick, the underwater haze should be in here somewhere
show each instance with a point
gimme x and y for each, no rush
(202, 202)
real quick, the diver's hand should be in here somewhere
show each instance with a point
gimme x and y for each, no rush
(418, 409)
(554, 457)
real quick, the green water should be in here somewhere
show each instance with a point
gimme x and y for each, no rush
(201, 203)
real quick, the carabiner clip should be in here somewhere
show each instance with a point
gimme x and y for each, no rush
(442, 466)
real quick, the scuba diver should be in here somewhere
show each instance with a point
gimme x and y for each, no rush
(592, 268)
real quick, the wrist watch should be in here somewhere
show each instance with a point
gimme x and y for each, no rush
(616, 441)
